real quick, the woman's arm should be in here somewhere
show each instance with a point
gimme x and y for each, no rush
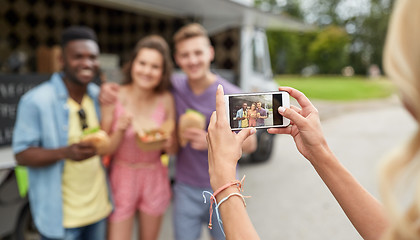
(171, 145)
(362, 209)
(107, 111)
(116, 136)
(225, 149)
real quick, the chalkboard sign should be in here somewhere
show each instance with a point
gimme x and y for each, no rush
(12, 87)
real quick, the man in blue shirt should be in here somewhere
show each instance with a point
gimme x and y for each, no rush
(241, 116)
(50, 121)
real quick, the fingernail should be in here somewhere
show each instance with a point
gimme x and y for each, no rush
(219, 86)
(281, 109)
(253, 130)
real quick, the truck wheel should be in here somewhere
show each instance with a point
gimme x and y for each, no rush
(264, 148)
(26, 229)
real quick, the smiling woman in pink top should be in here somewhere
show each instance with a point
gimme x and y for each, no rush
(139, 181)
(252, 116)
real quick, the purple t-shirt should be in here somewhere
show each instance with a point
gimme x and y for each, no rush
(192, 165)
(263, 113)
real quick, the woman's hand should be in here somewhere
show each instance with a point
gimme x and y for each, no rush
(124, 122)
(224, 146)
(225, 149)
(171, 144)
(305, 127)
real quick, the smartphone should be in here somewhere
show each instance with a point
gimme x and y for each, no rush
(257, 110)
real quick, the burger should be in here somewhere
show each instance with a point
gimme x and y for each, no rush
(99, 138)
(190, 119)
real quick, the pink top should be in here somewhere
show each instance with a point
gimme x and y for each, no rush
(252, 121)
(128, 151)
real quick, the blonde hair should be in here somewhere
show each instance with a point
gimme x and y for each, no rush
(190, 31)
(400, 174)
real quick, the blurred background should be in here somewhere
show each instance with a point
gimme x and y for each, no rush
(305, 37)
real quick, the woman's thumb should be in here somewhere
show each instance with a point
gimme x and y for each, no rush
(245, 133)
(291, 114)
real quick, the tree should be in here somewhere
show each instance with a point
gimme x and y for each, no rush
(365, 25)
(329, 51)
(369, 39)
(289, 50)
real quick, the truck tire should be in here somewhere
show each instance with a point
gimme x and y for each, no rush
(26, 229)
(265, 143)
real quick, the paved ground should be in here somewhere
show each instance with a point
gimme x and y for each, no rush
(289, 201)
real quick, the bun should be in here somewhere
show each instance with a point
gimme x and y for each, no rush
(190, 119)
(99, 139)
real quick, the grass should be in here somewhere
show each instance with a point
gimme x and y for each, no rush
(339, 88)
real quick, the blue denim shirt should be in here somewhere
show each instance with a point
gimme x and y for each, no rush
(239, 114)
(42, 121)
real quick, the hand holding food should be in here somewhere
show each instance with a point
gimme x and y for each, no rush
(80, 151)
(196, 138)
(154, 139)
(124, 122)
(99, 138)
(190, 119)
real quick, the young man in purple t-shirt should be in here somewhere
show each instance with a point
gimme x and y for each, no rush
(197, 91)
(261, 115)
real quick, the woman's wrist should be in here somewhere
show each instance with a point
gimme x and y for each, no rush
(316, 150)
(226, 192)
(220, 178)
(323, 157)
(230, 188)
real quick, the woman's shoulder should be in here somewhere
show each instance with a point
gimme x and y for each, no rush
(166, 96)
(166, 100)
(124, 89)
(123, 93)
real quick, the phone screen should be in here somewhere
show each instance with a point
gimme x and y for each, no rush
(255, 110)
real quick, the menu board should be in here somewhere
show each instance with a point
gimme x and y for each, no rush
(12, 87)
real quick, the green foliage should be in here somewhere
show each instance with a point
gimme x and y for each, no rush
(370, 36)
(289, 50)
(329, 51)
(339, 88)
(363, 47)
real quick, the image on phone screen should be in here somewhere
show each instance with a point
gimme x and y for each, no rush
(256, 110)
